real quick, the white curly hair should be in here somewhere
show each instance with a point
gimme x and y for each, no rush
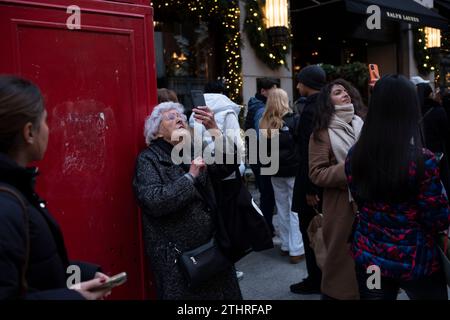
(153, 121)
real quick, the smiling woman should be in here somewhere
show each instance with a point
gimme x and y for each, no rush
(337, 129)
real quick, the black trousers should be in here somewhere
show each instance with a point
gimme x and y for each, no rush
(314, 273)
(267, 199)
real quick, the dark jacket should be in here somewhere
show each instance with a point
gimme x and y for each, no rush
(303, 184)
(174, 213)
(46, 272)
(299, 105)
(256, 106)
(400, 238)
(436, 135)
(288, 156)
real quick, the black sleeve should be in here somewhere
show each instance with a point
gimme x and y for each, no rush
(160, 198)
(306, 127)
(12, 256)
(88, 270)
(12, 247)
(443, 127)
(218, 171)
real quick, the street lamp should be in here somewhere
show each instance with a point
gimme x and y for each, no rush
(277, 24)
(433, 44)
(433, 37)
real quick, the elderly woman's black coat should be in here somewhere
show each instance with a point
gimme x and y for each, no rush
(174, 212)
(46, 273)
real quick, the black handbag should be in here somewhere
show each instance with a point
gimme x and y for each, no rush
(241, 224)
(202, 263)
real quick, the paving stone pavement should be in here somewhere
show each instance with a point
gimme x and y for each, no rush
(268, 275)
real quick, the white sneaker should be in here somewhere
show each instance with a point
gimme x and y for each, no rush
(276, 241)
(239, 274)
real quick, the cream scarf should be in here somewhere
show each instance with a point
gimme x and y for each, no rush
(344, 130)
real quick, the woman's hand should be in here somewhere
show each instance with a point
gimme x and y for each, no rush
(87, 288)
(100, 275)
(312, 200)
(197, 166)
(205, 116)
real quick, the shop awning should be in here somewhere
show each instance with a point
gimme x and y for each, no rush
(443, 3)
(401, 10)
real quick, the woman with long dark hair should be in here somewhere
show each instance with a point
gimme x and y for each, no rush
(33, 258)
(396, 185)
(337, 128)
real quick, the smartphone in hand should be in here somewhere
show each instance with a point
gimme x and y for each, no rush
(113, 281)
(198, 99)
(374, 74)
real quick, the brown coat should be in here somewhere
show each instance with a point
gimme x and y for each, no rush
(338, 274)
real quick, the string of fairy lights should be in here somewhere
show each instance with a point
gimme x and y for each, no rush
(425, 59)
(228, 13)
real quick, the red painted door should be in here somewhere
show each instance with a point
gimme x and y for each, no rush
(99, 83)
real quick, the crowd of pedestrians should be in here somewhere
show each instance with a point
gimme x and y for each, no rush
(377, 174)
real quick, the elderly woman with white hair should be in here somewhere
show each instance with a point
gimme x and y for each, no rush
(178, 203)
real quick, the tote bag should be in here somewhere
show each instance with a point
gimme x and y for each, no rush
(316, 242)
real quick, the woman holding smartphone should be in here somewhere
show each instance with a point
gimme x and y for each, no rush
(402, 206)
(33, 257)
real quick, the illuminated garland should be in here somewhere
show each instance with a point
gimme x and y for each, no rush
(426, 61)
(227, 12)
(273, 57)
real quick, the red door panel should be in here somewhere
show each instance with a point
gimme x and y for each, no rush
(99, 83)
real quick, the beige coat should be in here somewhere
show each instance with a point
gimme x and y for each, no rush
(338, 274)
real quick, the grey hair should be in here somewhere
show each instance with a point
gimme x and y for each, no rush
(153, 121)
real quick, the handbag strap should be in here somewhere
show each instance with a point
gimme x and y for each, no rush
(201, 191)
(316, 210)
(5, 189)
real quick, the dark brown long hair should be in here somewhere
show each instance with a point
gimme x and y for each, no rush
(325, 108)
(166, 95)
(390, 140)
(20, 102)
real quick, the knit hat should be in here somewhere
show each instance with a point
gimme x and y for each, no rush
(312, 76)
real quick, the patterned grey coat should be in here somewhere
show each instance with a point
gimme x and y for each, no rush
(173, 211)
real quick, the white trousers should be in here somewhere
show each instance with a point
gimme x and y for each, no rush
(288, 225)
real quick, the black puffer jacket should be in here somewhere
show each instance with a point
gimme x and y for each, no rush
(303, 184)
(287, 153)
(46, 272)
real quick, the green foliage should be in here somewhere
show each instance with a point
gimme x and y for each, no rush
(272, 56)
(227, 13)
(357, 73)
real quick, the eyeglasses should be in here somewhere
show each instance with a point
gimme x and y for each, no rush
(172, 116)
